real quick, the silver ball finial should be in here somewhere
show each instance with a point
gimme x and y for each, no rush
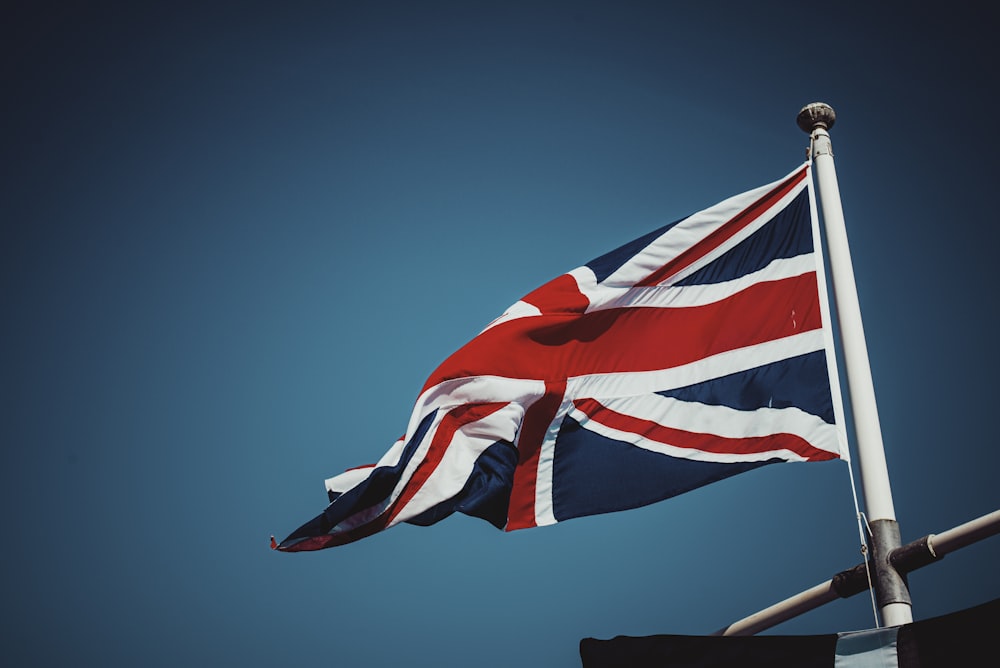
(817, 114)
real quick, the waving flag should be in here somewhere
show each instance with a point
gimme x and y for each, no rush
(696, 352)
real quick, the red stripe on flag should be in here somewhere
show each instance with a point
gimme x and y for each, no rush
(560, 295)
(556, 347)
(538, 417)
(699, 441)
(724, 232)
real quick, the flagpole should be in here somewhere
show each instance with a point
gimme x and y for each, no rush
(891, 589)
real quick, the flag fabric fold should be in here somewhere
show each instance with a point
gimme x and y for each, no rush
(693, 353)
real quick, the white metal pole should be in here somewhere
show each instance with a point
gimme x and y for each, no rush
(894, 599)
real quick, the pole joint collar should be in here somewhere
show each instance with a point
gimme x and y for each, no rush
(890, 584)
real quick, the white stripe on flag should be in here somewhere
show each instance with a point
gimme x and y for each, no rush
(544, 513)
(452, 472)
(693, 229)
(673, 296)
(722, 421)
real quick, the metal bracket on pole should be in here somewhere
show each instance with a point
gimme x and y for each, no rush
(890, 585)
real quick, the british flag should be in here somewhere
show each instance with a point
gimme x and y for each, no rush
(693, 353)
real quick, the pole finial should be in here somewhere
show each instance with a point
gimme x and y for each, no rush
(814, 115)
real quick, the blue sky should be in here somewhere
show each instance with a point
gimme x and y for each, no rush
(235, 240)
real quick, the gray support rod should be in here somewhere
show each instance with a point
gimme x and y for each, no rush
(907, 558)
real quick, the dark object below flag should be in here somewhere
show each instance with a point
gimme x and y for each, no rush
(964, 638)
(694, 353)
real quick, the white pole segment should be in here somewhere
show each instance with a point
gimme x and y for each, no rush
(816, 119)
(871, 453)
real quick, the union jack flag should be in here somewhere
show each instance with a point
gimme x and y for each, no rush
(693, 353)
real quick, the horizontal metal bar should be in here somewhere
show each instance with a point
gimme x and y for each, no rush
(780, 612)
(907, 558)
(966, 534)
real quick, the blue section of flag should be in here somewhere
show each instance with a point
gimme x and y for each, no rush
(798, 381)
(593, 474)
(787, 235)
